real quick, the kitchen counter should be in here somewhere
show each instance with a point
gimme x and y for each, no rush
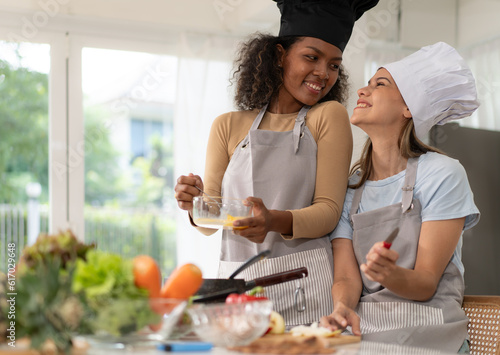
(362, 348)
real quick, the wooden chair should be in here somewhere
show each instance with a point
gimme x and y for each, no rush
(484, 324)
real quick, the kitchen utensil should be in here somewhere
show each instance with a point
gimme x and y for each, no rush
(210, 197)
(263, 254)
(214, 285)
(186, 346)
(390, 238)
(241, 286)
(284, 343)
(228, 325)
(217, 212)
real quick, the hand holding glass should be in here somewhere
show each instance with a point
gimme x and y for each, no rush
(217, 212)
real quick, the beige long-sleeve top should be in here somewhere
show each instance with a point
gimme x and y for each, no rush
(330, 127)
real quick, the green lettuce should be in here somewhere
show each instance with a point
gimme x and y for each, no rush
(107, 283)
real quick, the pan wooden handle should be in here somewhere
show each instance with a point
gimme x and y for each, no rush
(280, 277)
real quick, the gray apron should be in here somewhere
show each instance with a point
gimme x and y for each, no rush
(280, 168)
(439, 323)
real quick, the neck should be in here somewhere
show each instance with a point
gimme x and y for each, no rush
(283, 106)
(386, 160)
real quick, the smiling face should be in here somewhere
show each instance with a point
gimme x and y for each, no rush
(310, 69)
(381, 109)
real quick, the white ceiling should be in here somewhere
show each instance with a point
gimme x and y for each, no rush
(231, 17)
(462, 21)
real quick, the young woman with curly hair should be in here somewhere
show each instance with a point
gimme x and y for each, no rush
(288, 152)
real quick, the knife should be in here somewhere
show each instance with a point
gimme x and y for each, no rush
(390, 238)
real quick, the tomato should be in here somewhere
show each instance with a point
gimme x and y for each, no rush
(147, 274)
(183, 282)
(252, 295)
(243, 298)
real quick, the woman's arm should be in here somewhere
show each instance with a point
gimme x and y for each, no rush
(332, 131)
(217, 160)
(438, 240)
(346, 289)
(330, 127)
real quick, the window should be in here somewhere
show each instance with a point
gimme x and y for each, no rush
(24, 195)
(128, 111)
(104, 179)
(142, 132)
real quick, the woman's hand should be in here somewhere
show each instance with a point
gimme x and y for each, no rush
(340, 318)
(380, 263)
(185, 190)
(255, 228)
(436, 244)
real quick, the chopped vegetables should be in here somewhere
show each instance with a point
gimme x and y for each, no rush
(276, 324)
(313, 329)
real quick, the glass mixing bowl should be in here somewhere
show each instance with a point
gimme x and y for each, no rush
(231, 325)
(219, 212)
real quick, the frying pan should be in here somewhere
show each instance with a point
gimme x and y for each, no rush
(241, 286)
(215, 285)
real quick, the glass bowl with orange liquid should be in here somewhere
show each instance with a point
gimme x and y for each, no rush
(219, 212)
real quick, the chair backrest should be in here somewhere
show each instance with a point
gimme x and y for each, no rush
(484, 323)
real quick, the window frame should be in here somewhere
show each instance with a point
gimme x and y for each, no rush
(67, 36)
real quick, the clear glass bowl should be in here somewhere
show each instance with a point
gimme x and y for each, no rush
(231, 325)
(217, 212)
(128, 324)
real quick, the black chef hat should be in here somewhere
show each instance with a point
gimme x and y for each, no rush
(329, 20)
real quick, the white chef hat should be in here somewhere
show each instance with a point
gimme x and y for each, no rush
(436, 84)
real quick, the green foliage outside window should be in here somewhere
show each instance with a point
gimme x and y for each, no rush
(24, 145)
(23, 132)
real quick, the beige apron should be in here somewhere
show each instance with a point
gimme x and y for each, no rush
(439, 323)
(280, 168)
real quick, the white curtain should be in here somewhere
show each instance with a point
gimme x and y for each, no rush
(484, 61)
(203, 93)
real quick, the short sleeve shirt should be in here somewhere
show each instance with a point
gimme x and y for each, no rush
(441, 186)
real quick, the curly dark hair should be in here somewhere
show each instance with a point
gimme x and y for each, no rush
(258, 76)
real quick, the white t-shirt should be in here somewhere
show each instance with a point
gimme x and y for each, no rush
(441, 186)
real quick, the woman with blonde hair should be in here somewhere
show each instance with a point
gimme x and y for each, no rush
(408, 291)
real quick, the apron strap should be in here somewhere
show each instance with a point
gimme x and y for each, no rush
(258, 119)
(356, 199)
(409, 184)
(255, 124)
(298, 128)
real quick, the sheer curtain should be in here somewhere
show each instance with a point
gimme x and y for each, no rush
(484, 59)
(203, 93)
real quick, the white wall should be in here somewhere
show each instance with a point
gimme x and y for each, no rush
(425, 22)
(478, 21)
